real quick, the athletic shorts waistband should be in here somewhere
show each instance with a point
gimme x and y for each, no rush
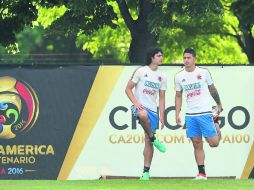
(196, 114)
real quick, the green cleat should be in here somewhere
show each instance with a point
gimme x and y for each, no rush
(161, 147)
(145, 176)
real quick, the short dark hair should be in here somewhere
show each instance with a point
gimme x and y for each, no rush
(191, 51)
(150, 53)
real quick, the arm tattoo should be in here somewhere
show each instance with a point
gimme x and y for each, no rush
(214, 93)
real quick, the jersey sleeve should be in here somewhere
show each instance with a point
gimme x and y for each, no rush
(209, 79)
(136, 75)
(178, 86)
(164, 83)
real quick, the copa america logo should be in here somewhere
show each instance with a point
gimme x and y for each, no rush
(19, 107)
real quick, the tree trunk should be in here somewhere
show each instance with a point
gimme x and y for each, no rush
(140, 43)
(243, 10)
(249, 46)
(141, 38)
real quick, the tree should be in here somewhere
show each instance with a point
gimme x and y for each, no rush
(243, 10)
(153, 16)
(34, 45)
(211, 46)
(213, 49)
(14, 16)
(85, 16)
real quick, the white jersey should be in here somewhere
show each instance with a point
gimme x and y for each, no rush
(148, 83)
(195, 87)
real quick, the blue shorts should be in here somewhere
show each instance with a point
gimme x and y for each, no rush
(152, 116)
(200, 125)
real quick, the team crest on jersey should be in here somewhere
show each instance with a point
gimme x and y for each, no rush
(146, 75)
(199, 77)
(183, 80)
(160, 78)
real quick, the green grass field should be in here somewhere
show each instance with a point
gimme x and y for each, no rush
(128, 184)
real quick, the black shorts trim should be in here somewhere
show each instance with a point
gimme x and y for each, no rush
(206, 112)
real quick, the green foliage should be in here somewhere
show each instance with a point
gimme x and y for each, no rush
(243, 9)
(108, 44)
(14, 16)
(27, 41)
(210, 48)
(184, 13)
(48, 15)
(84, 16)
(208, 26)
(80, 15)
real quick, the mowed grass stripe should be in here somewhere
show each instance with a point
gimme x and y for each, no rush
(128, 184)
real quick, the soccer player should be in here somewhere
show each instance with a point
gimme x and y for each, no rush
(148, 81)
(197, 85)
